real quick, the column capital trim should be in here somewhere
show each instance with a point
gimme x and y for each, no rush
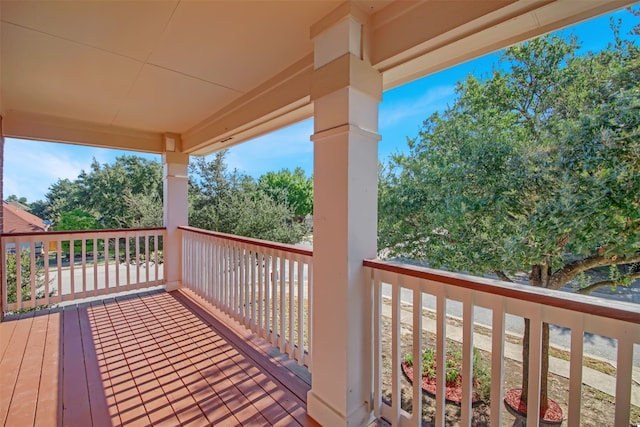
(346, 128)
(172, 142)
(341, 12)
(347, 70)
(175, 157)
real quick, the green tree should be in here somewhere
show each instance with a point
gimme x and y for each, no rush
(63, 196)
(104, 189)
(210, 184)
(77, 219)
(124, 194)
(535, 169)
(38, 208)
(230, 202)
(256, 214)
(295, 187)
(25, 275)
(143, 210)
(19, 200)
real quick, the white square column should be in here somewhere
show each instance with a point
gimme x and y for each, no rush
(176, 212)
(346, 91)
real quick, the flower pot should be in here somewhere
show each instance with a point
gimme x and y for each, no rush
(552, 417)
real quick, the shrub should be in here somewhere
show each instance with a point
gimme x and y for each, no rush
(453, 369)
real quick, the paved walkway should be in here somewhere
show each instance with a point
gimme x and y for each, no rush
(591, 377)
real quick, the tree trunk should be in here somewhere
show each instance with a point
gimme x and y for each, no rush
(538, 276)
(525, 362)
(544, 370)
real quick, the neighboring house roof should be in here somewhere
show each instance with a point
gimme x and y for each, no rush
(16, 220)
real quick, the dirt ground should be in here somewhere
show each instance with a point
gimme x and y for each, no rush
(597, 407)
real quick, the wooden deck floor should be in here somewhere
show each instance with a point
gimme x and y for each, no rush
(153, 359)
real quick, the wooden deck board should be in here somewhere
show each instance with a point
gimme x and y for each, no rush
(6, 332)
(153, 359)
(183, 352)
(99, 412)
(25, 394)
(11, 364)
(76, 409)
(49, 408)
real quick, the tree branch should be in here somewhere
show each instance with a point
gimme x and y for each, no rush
(592, 287)
(572, 269)
(502, 276)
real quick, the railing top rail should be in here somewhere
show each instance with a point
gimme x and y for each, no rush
(101, 231)
(596, 306)
(257, 242)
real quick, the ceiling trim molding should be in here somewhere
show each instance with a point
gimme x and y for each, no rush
(286, 92)
(518, 22)
(18, 124)
(286, 116)
(387, 53)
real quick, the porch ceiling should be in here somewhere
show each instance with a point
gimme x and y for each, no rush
(121, 74)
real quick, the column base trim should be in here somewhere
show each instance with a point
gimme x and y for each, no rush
(173, 286)
(327, 416)
(342, 129)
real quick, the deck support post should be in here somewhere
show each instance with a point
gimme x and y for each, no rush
(175, 208)
(346, 92)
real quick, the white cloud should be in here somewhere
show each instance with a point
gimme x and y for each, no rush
(291, 146)
(287, 148)
(435, 99)
(30, 167)
(11, 187)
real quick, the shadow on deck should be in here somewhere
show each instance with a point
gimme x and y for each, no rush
(154, 358)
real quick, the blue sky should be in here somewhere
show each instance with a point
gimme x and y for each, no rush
(31, 167)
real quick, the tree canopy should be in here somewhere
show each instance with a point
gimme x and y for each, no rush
(231, 202)
(77, 219)
(128, 194)
(535, 169)
(19, 200)
(125, 194)
(294, 187)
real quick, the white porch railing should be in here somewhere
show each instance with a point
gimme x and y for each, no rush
(265, 286)
(405, 288)
(48, 268)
